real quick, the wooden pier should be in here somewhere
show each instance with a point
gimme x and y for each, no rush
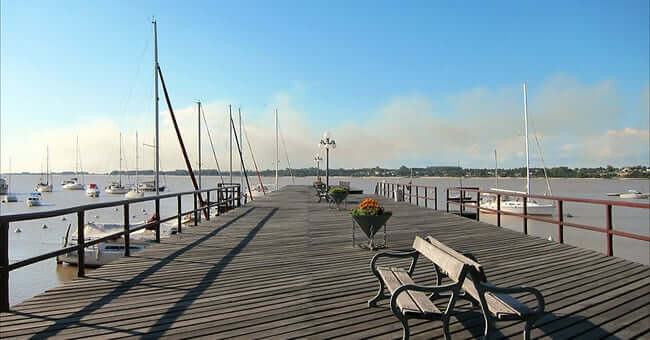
(283, 267)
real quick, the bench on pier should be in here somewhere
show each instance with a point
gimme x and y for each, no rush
(496, 303)
(409, 300)
(321, 191)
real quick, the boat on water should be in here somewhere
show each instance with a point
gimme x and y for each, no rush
(633, 194)
(92, 190)
(116, 188)
(34, 199)
(74, 183)
(515, 204)
(135, 191)
(47, 185)
(262, 189)
(107, 251)
(150, 186)
(4, 187)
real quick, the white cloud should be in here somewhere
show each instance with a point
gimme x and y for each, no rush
(572, 120)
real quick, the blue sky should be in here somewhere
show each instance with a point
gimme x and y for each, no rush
(73, 66)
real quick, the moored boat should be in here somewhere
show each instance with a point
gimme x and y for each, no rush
(93, 190)
(33, 200)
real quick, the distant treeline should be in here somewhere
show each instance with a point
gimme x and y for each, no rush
(638, 171)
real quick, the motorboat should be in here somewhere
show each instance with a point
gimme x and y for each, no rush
(92, 190)
(150, 186)
(116, 188)
(72, 184)
(4, 187)
(34, 199)
(107, 251)
(633, 194)
(134, 193)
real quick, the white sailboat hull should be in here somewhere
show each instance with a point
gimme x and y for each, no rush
(104, 253)
(134, 194)
(517, 207)
(634, 195)
(73, 186)
(116, 191)
(44, 188)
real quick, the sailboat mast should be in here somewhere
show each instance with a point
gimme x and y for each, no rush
(199, 142)
(136, 161)
(277, 151)
(496, 169)
(120, 159)
(155, 75)
(526, 129)
(47, 165)
(230, 130)
(241, 167)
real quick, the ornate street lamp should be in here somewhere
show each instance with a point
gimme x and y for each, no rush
(317, 159)
(327, 142)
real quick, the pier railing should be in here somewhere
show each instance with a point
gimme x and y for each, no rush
(228, 196)
(608, 229)
(468, 199)
(409, 192)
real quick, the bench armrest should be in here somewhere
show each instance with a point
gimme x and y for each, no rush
(513, 290)
(396, 254)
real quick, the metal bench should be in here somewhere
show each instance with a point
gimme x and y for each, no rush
(496, 303)
(409, 300)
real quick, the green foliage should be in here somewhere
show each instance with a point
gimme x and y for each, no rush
(337, 190)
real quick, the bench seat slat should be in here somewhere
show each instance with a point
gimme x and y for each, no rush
(415, 303)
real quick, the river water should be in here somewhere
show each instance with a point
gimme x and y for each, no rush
(34, 239)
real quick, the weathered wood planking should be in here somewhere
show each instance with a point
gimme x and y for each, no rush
(282, 267)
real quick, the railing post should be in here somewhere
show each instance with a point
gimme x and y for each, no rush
(410, 194)
(447, 200)
(207, 201)
(127, 233)
(179, 218)
(81, 245)
(238, 196)
(526, 215)
(4, 262)
(498, 210)
(219, 201)
(157, 212)
(435, 198)
(426, 199)
(560, 225)
(478, 206)
(462, 202)
(608, 226)
(196, 214)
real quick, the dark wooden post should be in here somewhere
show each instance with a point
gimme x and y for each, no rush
(417, 195)
(179, 218)
(447, 201)
(207, 218)
(560, 225)
(127, 233)
(81, 245)
(410, 193)
(609, 227)
(478, 206)
(462, 202)
(498, 210)
(435, 198)
(219, 201)
(526, 215)
(239, 196)
(157, 209)
(196, 212)
(4, 262)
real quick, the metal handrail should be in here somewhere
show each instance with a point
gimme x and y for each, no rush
(231, 199)
(387, 189)
(608, 229)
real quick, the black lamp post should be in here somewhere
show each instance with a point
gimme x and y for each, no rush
(327, 142)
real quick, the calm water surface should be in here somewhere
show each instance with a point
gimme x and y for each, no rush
(34, 240)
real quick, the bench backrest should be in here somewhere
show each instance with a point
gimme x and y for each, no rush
(444, 257)
(475, 268)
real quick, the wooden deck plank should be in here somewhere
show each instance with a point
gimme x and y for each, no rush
(283, 267)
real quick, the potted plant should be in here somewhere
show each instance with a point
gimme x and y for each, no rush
(337, 195)
(370, 216)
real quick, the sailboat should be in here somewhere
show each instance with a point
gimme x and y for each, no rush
(151, 185)
(135, 191)
(74, 183)
(8, 197)
(47, 186)
(515, 204)
(116, 188)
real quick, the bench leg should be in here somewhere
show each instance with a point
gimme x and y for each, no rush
(529, 325)
(380, 295)
(489, 325)
(445, 327)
